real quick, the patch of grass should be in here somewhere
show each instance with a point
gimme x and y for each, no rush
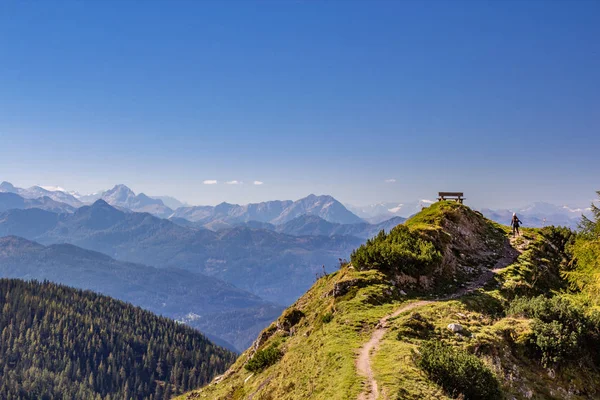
(415, 326)
(483, 303)
(434, 214)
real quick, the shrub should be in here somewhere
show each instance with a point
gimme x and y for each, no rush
(400, 250)
(263, 359)
(547, 309)
(555, 342)
(458, 372)
(327, 318)
(561, 331)
(584, 273)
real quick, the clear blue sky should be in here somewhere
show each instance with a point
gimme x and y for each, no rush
(500, 99)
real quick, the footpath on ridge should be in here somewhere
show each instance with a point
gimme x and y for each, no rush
(363, 363)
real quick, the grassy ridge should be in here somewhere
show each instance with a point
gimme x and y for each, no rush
(341, 310)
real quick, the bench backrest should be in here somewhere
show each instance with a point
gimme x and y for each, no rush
(450, 194)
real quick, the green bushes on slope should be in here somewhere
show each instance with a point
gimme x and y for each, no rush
(541, 266)
(401, 250)
(458, 372)
(561, 330)
(264, 359)
(584, 274)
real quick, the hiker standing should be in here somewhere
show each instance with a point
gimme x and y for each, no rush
(515, 223)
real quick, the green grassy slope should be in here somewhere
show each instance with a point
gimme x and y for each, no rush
(319, 337)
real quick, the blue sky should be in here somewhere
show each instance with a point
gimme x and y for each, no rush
(500, 99)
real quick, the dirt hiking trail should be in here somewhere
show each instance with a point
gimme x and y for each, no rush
(363, 363)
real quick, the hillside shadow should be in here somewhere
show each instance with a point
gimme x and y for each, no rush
(483, 303)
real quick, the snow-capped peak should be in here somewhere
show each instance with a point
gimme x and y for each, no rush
(53, 188)
(396, 209)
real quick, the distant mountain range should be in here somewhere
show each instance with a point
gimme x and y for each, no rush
(224, 215)
(36, 192)
(222, 311)
(540, 214)
(171, 202)
(9, 201)
(275, 266)
(376, 213)
(273, 212)
(537, 214)
(312, 225)
(123, 197)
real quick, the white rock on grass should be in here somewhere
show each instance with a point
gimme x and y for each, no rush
(455, 327)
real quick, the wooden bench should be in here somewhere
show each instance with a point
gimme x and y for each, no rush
(457, 196)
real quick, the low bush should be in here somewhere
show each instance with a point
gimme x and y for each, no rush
(561, 331)
(400, 250)
(327, 318)
(458, 372)
(263, 359)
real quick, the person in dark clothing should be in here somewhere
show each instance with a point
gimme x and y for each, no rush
(515, 223)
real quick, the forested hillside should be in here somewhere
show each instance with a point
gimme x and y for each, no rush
(61, 343)
(218, 309)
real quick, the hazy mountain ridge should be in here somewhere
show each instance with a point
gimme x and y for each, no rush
(122, 196)
(305, 225)
(275, 266)
(275, 212)
(222, 310)
(171, 202)
(376, 213)
(537, 214)
(10, 201)
(35, 192)
(312, 225)
(540, 214)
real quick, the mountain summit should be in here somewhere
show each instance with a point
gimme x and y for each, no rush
(124, 197)
(274, 212)
(35, 192)
(325, 207)
(444, 306)
(7, 187)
